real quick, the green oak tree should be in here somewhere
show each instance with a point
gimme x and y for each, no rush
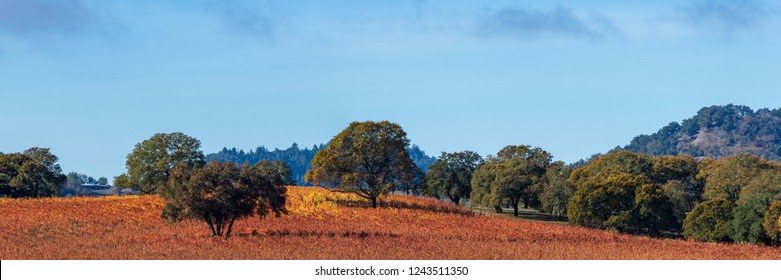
(726, 177)
(32, 173)
(451, 175)
(482, 179)
(625, 191)
(709, 221)
(515, 175)
(557, 191)
(276, 171)
(220, 193)
(679, 173)
(754, 201)
(151, 162)
(771, 224)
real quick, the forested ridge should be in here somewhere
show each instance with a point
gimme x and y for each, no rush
(299, 160)
(717, 131)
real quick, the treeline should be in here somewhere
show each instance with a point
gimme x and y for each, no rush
(77, 184)
(717, 131)
(36, 173)
(299, 160)
(518, 176)
(734, 199)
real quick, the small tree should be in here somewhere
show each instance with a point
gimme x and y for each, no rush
(709, 221)
(221, 193)
(367, 158)
(451, 175)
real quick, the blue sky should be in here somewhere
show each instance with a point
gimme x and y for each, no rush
(90, 79)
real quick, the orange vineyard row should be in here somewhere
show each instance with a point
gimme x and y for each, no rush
(321, 225)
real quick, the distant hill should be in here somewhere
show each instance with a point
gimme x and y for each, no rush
(717, 131)
(299, 159)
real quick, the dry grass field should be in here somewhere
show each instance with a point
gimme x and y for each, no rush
(321, 225)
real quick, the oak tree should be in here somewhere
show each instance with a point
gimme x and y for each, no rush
(367, 158)
(726, 177)
(151, 162)
(515, 175)
(451, 175)
(32, 173)
(771, 222)
(222, 192)
(709, 221)
(557, 190)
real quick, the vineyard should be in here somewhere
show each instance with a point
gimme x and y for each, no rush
(320, 225)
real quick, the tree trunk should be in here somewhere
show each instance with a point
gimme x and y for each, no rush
(211, 226)
(498, 209)
(455, 199)
(374, 202)
(515, 210)
(219, 226)
(230, 227)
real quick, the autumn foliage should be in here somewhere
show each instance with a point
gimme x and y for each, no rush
(321, 224)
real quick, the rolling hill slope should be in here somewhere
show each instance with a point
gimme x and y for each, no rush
(321, 225)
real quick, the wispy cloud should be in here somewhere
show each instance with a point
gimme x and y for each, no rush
(726, 15)
(31, 17)
(43, 24)
(251, 18)
(532, 24)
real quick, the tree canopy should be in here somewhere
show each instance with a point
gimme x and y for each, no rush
(32, 173)
(709, 221)
(451, 175)
(367, 158)
(726, 177)
(515, 175)
(624, 191)
(772, 223)
(557, 192)
(151, 162)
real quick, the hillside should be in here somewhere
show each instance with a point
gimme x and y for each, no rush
(321, 225)
(717, 131)
(299, 159)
